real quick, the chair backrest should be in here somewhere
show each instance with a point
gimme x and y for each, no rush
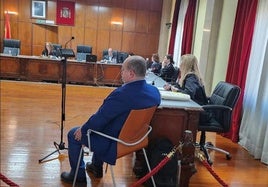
(225, 94)
(121, 56)
(56, 47)
(11, 46)
(105, 52)
(135, 127)
(82, 51)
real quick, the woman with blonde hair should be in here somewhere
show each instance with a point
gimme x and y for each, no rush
(190, 81)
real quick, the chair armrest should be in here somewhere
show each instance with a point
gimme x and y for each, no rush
(119, 140)
(217, 107)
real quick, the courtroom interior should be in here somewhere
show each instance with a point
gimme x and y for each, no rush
(60, 59)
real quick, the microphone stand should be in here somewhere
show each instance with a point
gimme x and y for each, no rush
(65, 53)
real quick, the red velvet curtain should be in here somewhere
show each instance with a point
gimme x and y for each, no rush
(239, 56)
(188, 28)
(174, 27)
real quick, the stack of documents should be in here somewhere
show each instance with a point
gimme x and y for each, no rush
(169, 95)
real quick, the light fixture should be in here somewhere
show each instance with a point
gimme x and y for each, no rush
(11, 12)
(168, 25)
(116, 23)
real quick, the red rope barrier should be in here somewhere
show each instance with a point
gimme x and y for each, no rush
(212, 172)
(7, 181)
(156, 168)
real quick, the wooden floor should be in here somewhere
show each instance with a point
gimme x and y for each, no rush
(30, 123)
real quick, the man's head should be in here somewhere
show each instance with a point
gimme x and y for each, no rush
(110, 52)
(133, 68)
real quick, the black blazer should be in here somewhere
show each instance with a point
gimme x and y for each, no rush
(167, 72)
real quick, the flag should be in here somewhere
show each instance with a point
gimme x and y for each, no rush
(7, 26)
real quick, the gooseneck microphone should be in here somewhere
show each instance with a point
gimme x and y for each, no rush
(68, 42)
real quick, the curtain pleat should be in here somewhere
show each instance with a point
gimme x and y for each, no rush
(239, 56)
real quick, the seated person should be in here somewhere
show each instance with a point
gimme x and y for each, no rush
(190, 81)
(156, 66)
(110, 57)
(167, 71)
(49, 50)
(109, 119)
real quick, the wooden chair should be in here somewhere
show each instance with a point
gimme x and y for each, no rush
(133, 137)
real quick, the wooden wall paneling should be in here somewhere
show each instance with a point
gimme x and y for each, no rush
(91, 17)
(91, 39)
(144, 4)
(25, 35)
(116, 40)
(24, 12)
(92, 2)
(79, 15)
(141, 44)
(51, 34)
(105, 3)
(102, 41)
(104, 18)
(79, 33)
(156, 5)
(154, 22)
(129, 20)
(142, 22)
(51, 10)
(118, 3)
(153, 40)
(38, 38)
(128, 43)
(64, 34)
(117, 16)
(138, 16)
(130, 4)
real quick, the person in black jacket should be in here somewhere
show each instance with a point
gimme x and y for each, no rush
(167, 71)
(156, 65)
(49, 50)
(190, 81)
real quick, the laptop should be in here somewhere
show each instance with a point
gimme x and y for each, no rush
(91, 58)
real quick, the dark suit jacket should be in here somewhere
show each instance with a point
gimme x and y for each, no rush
(114, 111)
(107, 57)
(192, 87)
(167, 72)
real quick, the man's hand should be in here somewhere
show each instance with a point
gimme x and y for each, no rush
(78, 134)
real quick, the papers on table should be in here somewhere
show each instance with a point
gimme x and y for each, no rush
(169, 95)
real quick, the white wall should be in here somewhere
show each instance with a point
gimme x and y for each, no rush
(225, 37)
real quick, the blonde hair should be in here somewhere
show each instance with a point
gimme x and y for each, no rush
(189, 65)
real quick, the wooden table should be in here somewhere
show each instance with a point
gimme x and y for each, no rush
(36, 68)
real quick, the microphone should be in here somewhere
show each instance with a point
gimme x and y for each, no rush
(68, 42)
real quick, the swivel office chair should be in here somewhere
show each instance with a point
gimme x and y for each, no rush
(11, 46)
(133, 137)
(56, 49)
(82, 51)
(217, 116)
(115, 54)
(121, 56)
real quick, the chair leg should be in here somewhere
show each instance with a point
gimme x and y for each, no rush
(203, 147)
(77, 167)
(148, 165)
(112, 173)
(209, 145)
